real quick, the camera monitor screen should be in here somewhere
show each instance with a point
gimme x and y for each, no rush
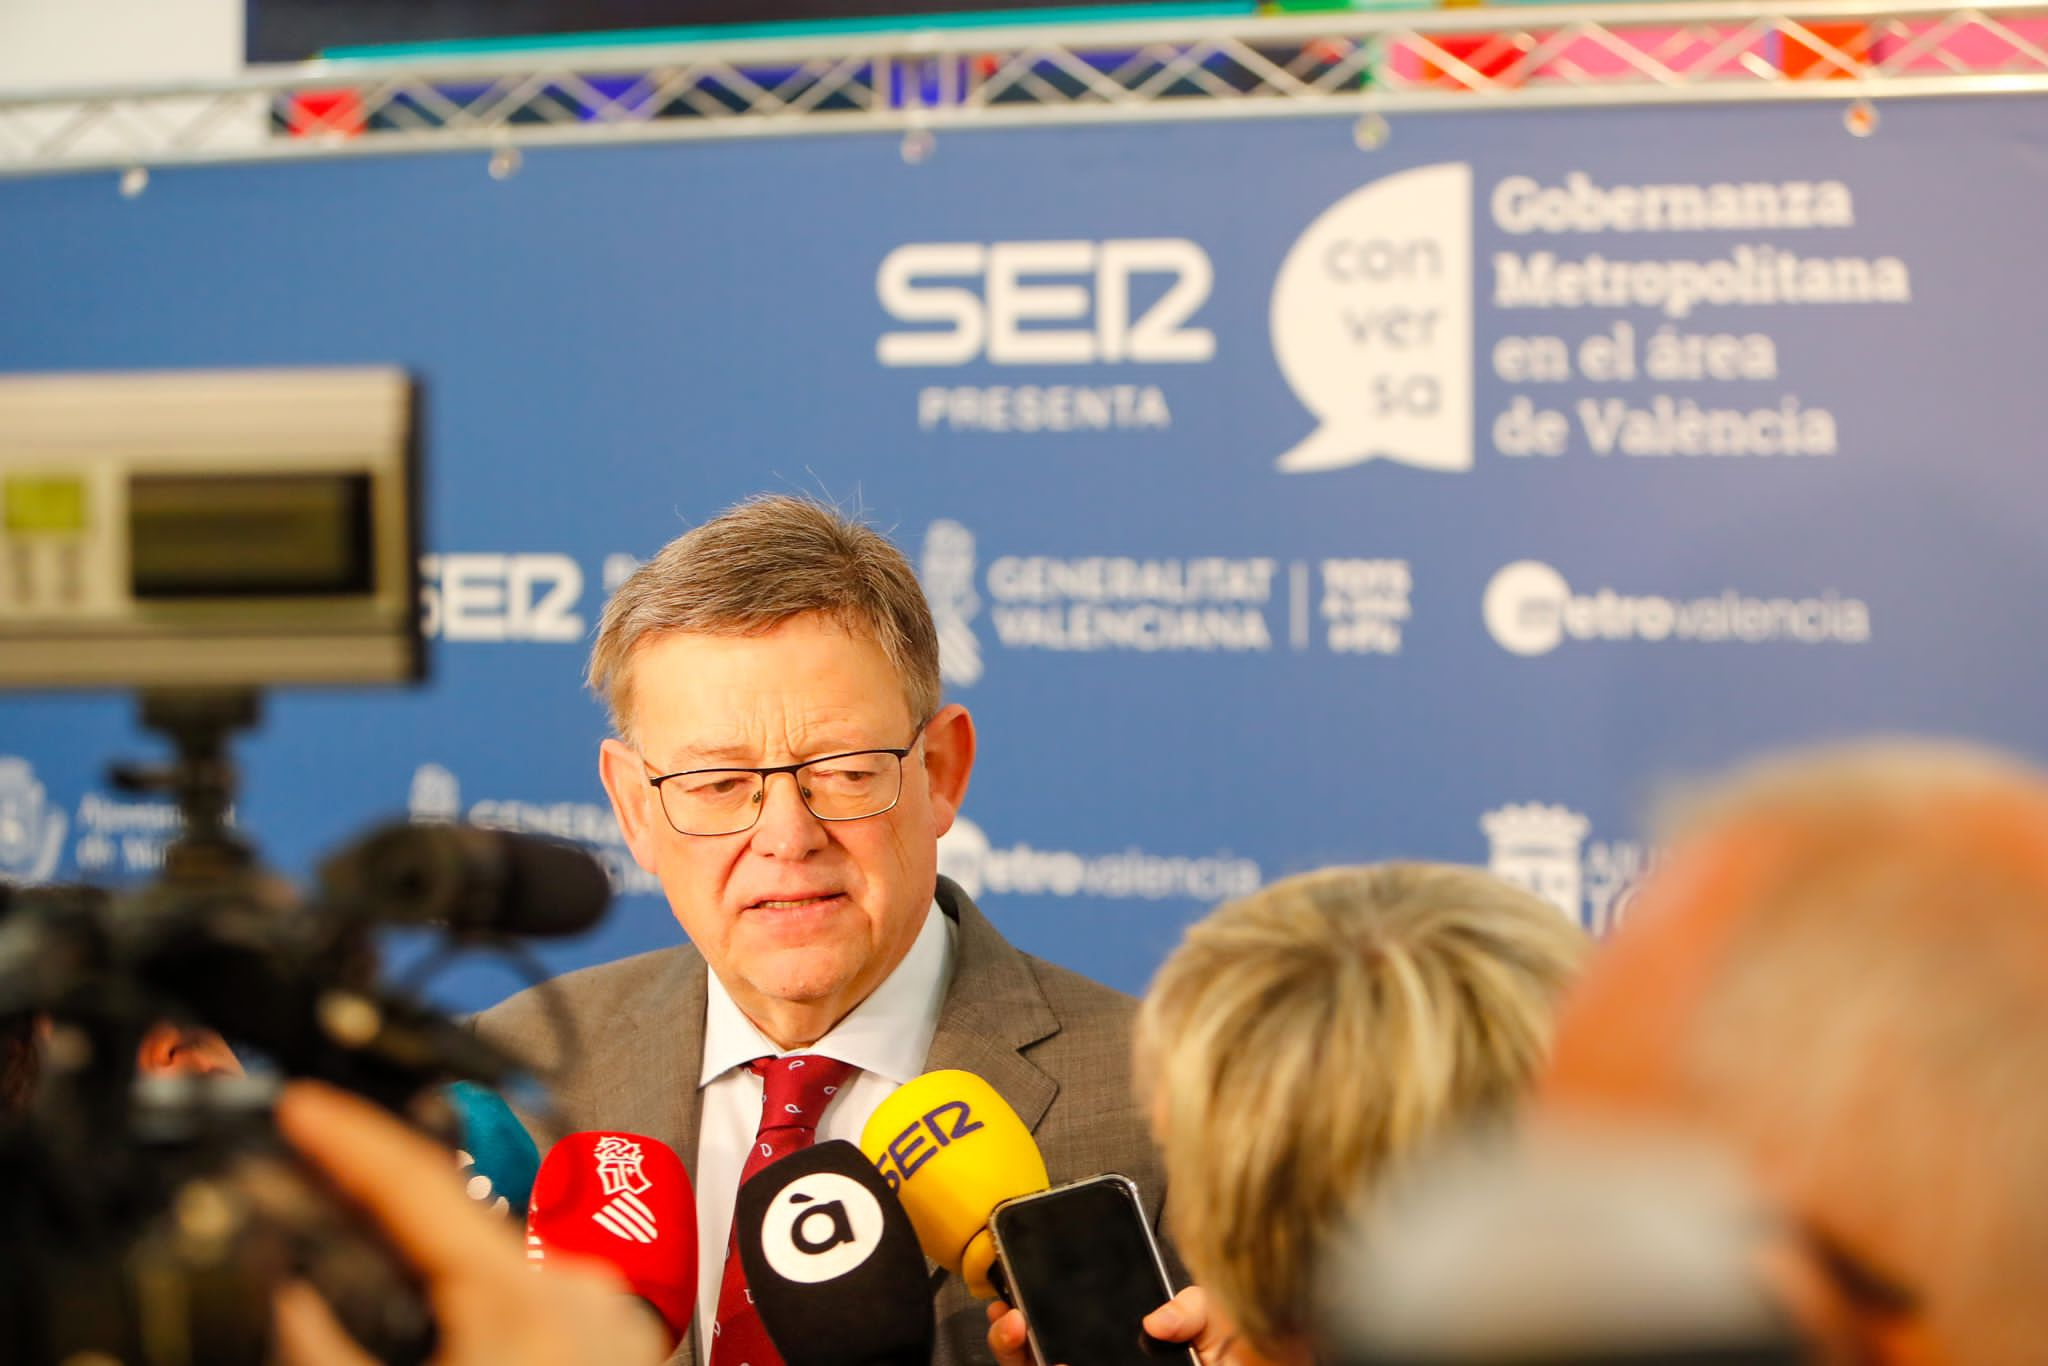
(208, 529)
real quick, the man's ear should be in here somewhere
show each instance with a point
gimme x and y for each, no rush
(948, 762)
(636, 805)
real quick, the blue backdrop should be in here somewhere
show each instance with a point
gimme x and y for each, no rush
(1282, 502)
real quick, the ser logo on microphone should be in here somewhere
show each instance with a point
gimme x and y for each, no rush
(908, 1150)
(819, 1227)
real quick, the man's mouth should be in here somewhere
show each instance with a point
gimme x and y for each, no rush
(796, 903)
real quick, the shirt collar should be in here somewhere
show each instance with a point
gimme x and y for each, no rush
(888, 1034)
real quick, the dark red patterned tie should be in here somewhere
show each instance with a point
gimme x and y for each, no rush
(795, 1092)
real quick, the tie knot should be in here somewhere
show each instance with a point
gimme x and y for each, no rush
(795, 1091)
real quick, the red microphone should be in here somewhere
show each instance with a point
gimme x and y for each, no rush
(626, 1201)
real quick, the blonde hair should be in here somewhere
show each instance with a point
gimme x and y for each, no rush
(761, 563)
(1303, 1039)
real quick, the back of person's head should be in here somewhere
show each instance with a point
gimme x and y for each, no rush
(764, 562)
(1302, 1040)
(1842, 972)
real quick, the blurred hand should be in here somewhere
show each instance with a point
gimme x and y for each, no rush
(490, 1306)
(1187, 1317)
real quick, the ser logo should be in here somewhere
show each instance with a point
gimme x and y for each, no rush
(993, 289)
(909, 1150)
(819, 1227)
(478, 597)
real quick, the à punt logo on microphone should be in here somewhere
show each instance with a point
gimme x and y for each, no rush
(821, 1226)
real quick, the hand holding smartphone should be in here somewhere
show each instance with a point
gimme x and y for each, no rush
(1081, 1263)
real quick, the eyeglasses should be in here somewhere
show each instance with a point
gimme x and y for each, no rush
(837, 787)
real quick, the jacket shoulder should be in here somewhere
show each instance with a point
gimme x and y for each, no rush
(529, 1022)
(1076, 998)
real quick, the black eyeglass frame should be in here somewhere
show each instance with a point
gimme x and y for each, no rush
(764, 774)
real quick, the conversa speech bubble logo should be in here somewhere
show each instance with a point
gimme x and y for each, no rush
(1372, 324)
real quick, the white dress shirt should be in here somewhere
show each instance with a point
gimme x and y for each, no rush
(886, 1037)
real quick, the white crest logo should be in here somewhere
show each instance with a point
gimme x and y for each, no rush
(819, 1227)
(619, 1166)
(1372, 324)
(947, 569)
(1537, 848)
(31, 831)
(625, 1215)
(435, 795)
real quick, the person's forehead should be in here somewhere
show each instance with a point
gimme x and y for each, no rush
(806, 678)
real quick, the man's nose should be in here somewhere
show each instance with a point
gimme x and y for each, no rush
(787, 829)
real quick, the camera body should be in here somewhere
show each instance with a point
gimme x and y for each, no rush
(151, 1218)
(198, 536)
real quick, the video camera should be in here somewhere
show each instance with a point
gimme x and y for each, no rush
(200, 537)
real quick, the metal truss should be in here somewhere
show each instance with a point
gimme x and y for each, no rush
(922, 82)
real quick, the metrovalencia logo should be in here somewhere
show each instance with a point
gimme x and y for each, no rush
(968, 857)
(1530, 609)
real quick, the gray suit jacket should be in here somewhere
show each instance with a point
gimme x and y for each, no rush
(1055, 1045)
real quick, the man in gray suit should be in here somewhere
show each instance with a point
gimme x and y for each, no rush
(782, 642)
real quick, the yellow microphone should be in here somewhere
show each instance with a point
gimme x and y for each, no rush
(952, 1150)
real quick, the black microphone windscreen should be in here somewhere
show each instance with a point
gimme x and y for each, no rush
(833, 1262)
(552, 887)
(472, 880)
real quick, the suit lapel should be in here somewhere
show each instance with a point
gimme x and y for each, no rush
(993, 1010)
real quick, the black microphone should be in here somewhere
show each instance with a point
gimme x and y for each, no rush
(471, 880)
(833, 1263)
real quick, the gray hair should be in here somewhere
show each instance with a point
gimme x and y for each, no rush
(770, 559)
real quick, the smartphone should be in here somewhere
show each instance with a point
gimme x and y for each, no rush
(1081, 1262)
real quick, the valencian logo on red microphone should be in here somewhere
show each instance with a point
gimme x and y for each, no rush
(619, 1169)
